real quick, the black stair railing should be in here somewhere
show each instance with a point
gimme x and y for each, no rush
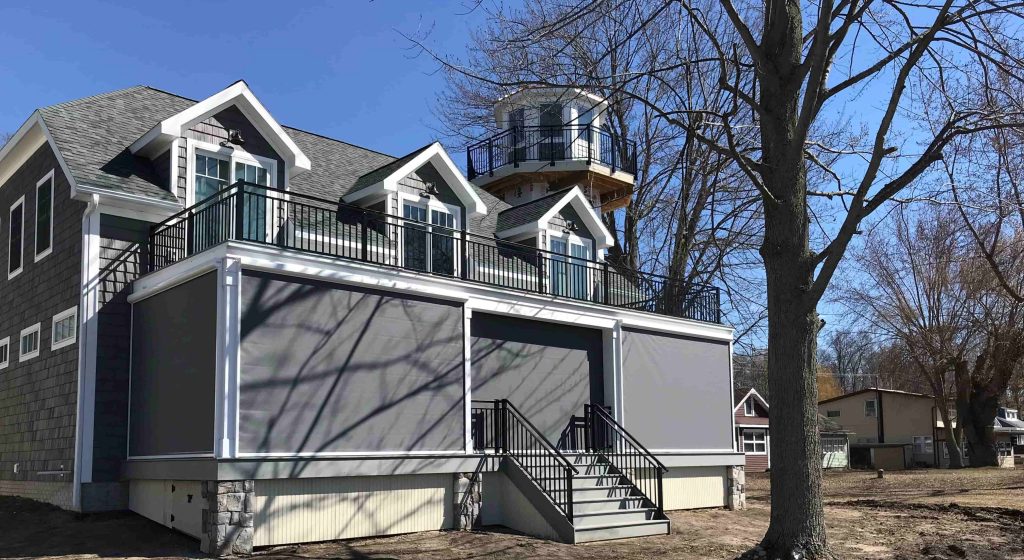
(626, 454)
(288, 220)
(498, 426)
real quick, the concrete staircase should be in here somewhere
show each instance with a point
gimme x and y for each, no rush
(606, 505)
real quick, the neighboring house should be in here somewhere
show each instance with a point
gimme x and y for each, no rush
(893, 429)
(1009, 432)
(753, 436)
(258, 335)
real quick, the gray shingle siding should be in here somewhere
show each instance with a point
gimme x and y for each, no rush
(214, 130)
(38, 396)
(121, 260)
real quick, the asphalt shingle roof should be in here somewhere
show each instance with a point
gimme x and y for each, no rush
(93, 135)
(529, 212)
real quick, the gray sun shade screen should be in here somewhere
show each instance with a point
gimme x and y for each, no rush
(173, 376)
(676, 391)
(327, 368)
(547, 371)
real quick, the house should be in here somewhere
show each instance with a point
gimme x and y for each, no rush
(753, 436)
(893, 429)
(1008, 429)
(259, 335)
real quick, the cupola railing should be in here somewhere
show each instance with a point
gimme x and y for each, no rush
(550, 144)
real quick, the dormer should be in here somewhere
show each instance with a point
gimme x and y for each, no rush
(550, 139)
(227, 137)
(562, 222)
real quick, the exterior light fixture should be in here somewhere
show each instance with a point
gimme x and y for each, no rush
(431, 190)
(234, 137)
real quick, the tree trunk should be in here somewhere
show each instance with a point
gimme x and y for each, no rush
(976, 417)
(953, 447)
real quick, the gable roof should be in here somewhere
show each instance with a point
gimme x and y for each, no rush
(385, 178)
(535, 214)
(873, 390)
(741, 394)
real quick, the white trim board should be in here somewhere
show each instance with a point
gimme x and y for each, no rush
(436, 155)
(479, 297)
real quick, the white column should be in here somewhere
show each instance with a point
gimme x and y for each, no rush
(467, 372)
(229, 273)
(87, 320)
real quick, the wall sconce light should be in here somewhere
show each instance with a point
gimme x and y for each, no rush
(234, 137)
(570, 226)
(431, 190)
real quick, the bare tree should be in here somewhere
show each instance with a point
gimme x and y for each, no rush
(916, 291)
(5, 137)
(847, 354)
(793, 74)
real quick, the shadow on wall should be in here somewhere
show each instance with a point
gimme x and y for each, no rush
(328, 370)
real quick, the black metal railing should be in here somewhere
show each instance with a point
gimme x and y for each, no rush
(268, 216)
(626, 454)
(551, 144)
(499, 427)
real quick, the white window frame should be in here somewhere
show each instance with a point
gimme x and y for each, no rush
(5, 342)
(21, 267)
(570, 239)
(754, 441)
(748, 407)
(432, 203)
(874, 409)
(48, 178)
(231, 155)
(54, 343)
(39, 342)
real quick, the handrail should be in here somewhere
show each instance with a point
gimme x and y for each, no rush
(539, 436)
(627, 455)
(607, 416)
(513, 435)
(290, 220)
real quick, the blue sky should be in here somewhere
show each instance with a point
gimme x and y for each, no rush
(335, 68)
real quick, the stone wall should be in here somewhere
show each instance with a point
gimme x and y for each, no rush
(736, 488)
(468, 500)
(228, 517)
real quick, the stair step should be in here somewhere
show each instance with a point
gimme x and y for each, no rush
(611, 517)
(611, 531)
(583, 480)
(603, 504)
(595, 492)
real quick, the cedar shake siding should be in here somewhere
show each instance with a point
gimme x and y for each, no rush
(38, 397)
(122, 257)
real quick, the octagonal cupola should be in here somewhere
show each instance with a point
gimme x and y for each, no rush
(550, 139)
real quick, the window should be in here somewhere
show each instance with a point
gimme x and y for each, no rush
(65, 328)
(754, 441)
(748, 407)
(214, 172)
(922, 444)
(552, 142)
(870, 409)
(29, 346)
(429, 238)
(212, 175)
(832, 413)
(44, 216)
(833, 445)
(570, 272)
(5, 351)
(16, 230)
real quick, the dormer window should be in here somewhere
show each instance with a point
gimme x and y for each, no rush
(429, 232)
(748, 407)
(571, 273)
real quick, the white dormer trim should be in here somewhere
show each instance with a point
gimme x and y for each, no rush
(434, 154)
(751, 393)
(578, 200)
(238, 94)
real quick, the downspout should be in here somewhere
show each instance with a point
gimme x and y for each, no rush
(86, 326)
(881, 417)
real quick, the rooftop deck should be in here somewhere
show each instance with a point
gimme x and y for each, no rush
(266, 216)
(551, 144)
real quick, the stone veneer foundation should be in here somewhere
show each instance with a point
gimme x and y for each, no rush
(737, 488)
(228, 517)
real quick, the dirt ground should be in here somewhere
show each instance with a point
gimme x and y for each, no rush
(928, 514)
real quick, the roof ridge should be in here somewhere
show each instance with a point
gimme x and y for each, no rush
(94, 97)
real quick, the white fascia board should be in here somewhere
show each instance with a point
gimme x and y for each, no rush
(436, 155)
(158, 138)
(26, 140)
(752, 393)
(575, 197)
(129, 202)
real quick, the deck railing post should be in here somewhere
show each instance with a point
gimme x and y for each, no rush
(190, 227)
(464, 242)
(239, 212)
(496, 421)
(364, 245)
(604, 283)
(568, 494)
(490, 157)
(661, 494)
